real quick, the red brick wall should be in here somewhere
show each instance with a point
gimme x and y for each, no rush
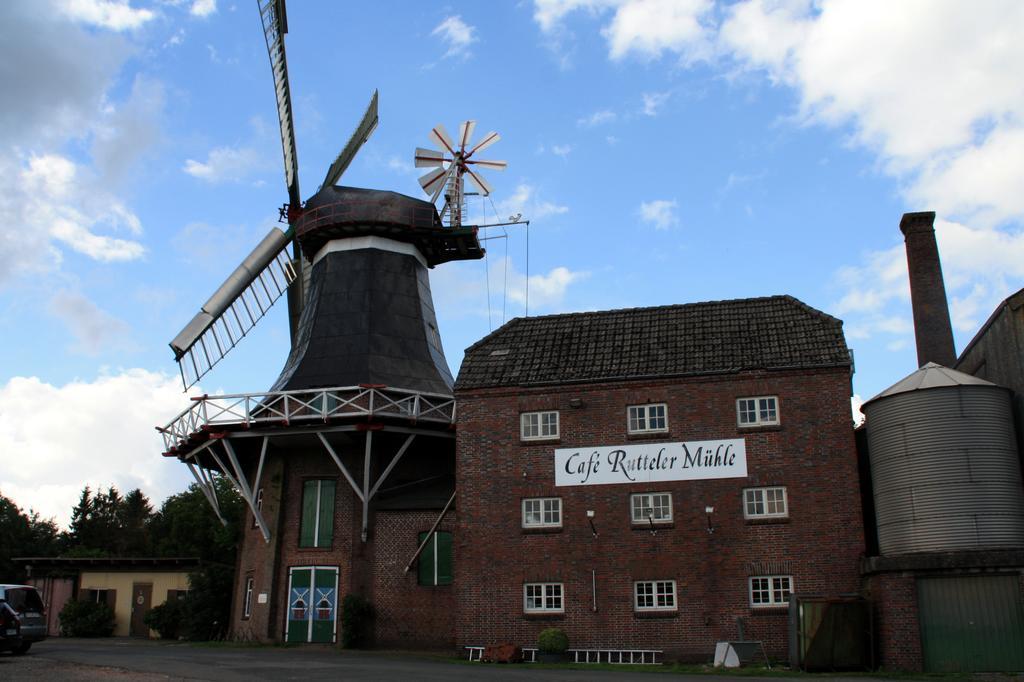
(898, 630)
(811, 452)
(410, 615)
(407, 614)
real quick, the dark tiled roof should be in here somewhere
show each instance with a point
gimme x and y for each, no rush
(696, 338)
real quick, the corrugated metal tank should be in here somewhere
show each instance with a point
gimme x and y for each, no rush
(945, 467)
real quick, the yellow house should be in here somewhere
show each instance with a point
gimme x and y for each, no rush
(130, 586)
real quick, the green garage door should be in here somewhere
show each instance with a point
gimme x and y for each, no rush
(971, 623)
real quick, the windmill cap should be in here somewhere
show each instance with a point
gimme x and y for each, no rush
(346, 212)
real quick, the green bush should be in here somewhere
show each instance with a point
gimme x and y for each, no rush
(86, 619)
(552, 641)
(208, 604)
(168, 619)
(356, 622)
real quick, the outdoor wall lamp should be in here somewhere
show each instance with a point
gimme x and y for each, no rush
(708, 511)
(575, 403)
(590, 518)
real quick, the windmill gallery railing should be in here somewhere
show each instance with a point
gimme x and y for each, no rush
(211, 413)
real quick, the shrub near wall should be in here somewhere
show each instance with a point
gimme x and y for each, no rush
(86, 619)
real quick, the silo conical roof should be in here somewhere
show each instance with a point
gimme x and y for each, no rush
(931, 375)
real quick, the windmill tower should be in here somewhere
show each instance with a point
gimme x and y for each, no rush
(346, 463)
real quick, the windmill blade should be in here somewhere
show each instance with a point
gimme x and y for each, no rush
(428, 158)
(275, 26)
(235, 308)
(434, 181)
(494, 165)
(465, 134)
(362, 133)
(478, 180)
(488, 139)
(440, 136)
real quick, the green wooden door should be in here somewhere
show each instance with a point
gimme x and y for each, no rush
(971, 623)
(312, 604)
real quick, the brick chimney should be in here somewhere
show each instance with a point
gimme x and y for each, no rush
(932, 328)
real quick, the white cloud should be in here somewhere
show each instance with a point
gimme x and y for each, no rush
(106, 426)
(95, 330)
(651, 27)
(457, 36)
(561, 150)
(525, 201)
(653, 101)
(225, 164)
(60, 203)
(980, 267)
(465, 289)
(597, 118)
(937, 96)
(662, 213)
(855, 403)
(643, 27)
(203, 8)
(114, 15)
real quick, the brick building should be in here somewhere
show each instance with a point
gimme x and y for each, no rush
(655, 478)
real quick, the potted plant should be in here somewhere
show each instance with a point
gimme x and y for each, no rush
(552, 645)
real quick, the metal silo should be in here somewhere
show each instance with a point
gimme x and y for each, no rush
(944, 464)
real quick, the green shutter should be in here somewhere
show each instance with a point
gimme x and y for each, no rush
(426, 562)
(307, 529)
(326, 536)
(435, 562)
(444, 558)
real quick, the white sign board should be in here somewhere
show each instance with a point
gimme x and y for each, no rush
(651, 462)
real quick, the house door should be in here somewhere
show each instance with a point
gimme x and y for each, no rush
(312, 604)
(142, 602)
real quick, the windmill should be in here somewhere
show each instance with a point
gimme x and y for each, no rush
(361, 418)
(255, 285)
(453, 163)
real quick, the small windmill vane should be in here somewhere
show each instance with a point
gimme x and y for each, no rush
(453, 163)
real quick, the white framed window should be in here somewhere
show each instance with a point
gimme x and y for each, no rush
(654, 595)
(542, 512)
(538, 425)
(765, 503)
(247, 608)
(770, 590)
(543, 598)
(647, 507)
(648, 418)
(758, 411)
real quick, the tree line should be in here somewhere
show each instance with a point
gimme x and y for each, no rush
(107, 523)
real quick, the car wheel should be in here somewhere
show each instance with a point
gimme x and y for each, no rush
(23, 649)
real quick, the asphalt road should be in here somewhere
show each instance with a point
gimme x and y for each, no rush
(130, 659)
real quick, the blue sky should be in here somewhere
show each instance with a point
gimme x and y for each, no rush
(665, 151)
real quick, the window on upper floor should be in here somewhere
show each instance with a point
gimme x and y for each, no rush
(651, 507)
(650, 418)
(757, 411)
(542, 512)
(538, 425)
(770, 590)
(259, 506)
(765, 503)
(316, 528)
